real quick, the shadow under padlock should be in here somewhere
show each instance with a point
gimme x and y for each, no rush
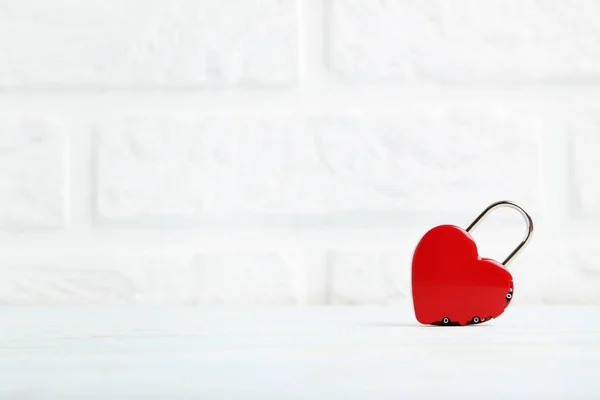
(452, 284)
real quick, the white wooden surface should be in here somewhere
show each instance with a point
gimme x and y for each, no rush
(295, 353)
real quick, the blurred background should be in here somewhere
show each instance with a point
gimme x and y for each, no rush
(287, 152)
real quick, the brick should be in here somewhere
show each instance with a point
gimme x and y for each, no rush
(32, 172)
(161, 280)
(341, 170)
(56, 282)
(553, 274)
(434, 160)
(370, 277)
(164, 169)
(467, 40)
(148, 43)
(97, 280)
(250, 278)
(586, 163)
(542, 275)
(583, 261)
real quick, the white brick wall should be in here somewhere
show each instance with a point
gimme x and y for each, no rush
(32, 171)
(291, 152)
(142, 43)
(467, 40)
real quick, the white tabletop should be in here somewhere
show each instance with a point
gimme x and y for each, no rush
(295, 353)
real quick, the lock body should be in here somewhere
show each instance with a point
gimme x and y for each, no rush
(452, 284)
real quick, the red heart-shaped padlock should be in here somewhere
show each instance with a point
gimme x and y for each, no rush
(452, 284)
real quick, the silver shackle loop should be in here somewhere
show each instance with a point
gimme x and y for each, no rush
(509, 204)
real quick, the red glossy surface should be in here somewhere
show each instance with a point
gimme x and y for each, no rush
(450, 279)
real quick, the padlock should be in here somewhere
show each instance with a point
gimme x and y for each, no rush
(452, 284)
